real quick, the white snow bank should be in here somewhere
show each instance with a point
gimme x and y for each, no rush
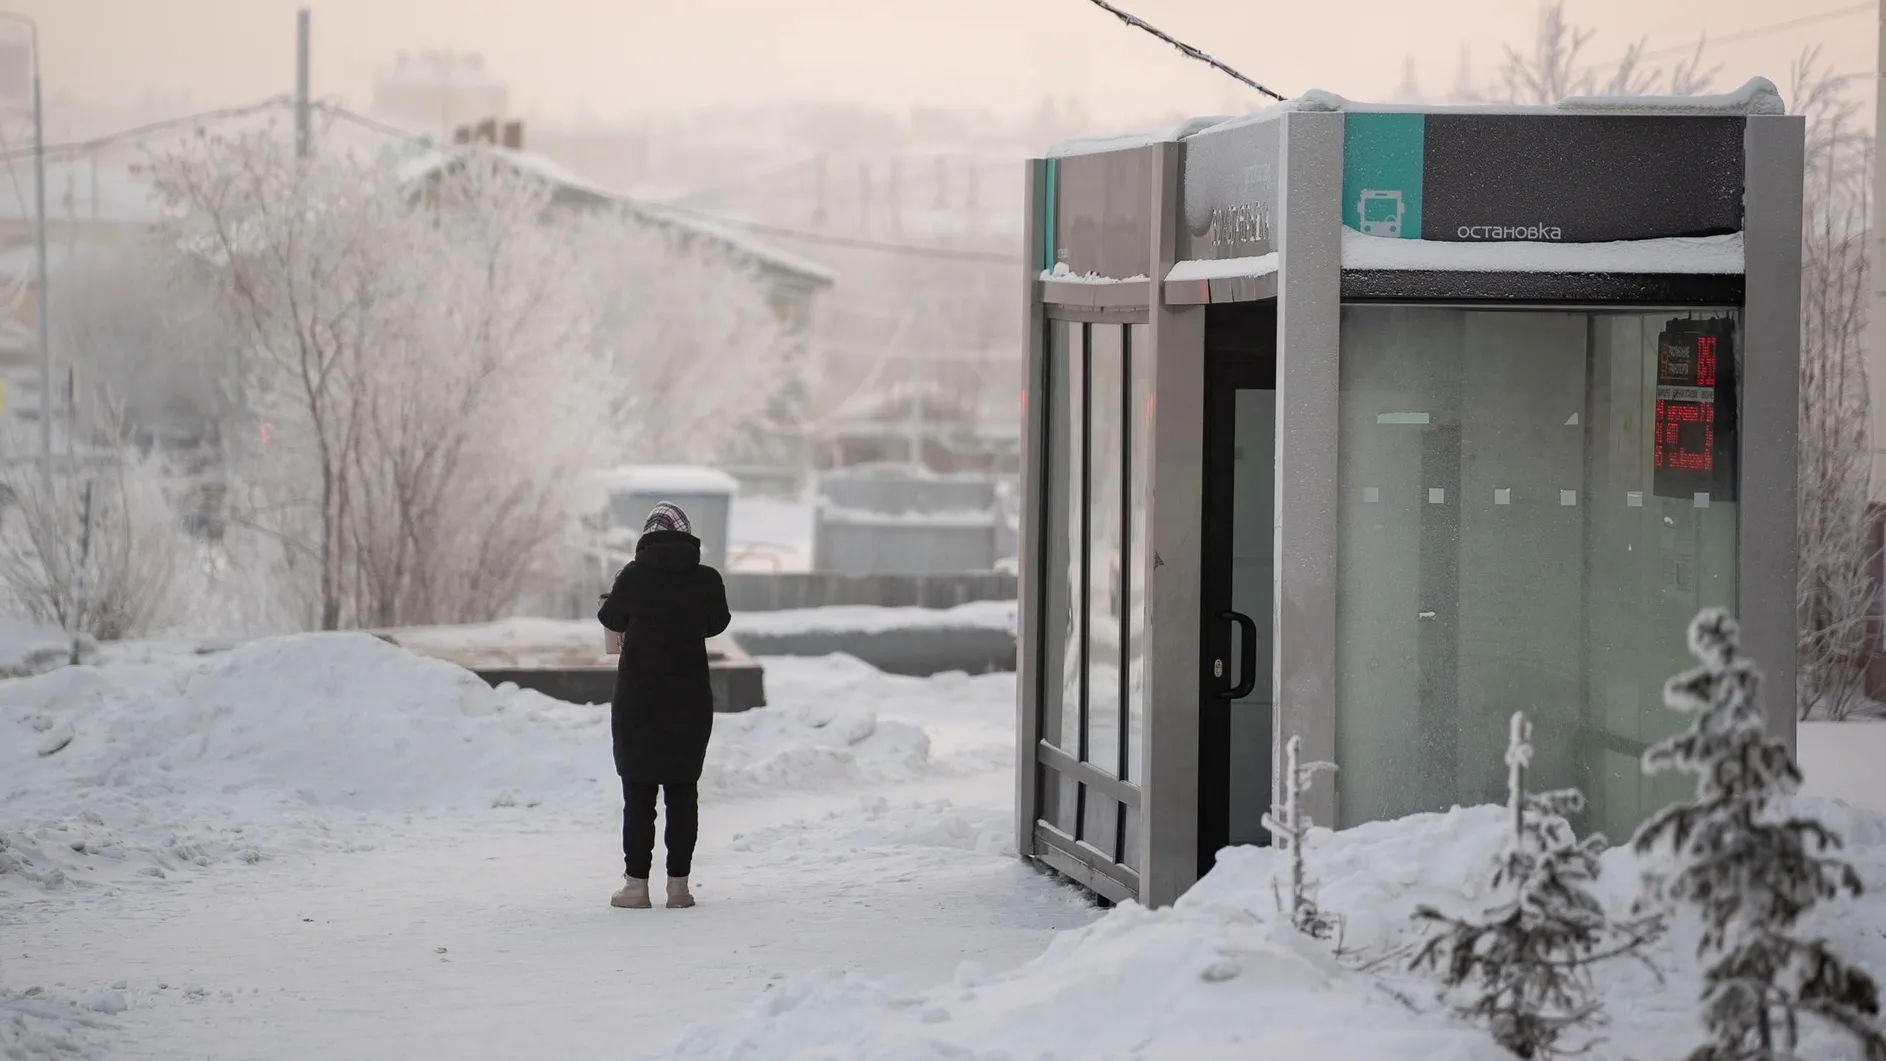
(1218, 975)
(868, 618)
(1841, 760)
(1223, 268)
(1704, 254)
(322, 742)
(967, 720)
(285, 743)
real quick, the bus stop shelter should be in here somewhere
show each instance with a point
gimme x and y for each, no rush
(1374, 424)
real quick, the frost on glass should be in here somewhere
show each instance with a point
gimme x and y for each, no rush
(1501, 596)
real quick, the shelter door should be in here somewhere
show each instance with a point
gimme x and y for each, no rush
(1239, 579)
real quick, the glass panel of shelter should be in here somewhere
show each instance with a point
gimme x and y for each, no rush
(1533, 504)
(1093, 687)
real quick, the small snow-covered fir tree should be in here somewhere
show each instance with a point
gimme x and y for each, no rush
(1521, 969)
(1289, 831)
(1751, 870)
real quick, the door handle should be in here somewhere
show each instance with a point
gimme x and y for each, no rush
(1247, 641)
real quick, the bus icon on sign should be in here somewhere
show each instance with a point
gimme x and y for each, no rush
(1380, 213)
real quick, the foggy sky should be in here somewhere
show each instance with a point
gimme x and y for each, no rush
(570, 59)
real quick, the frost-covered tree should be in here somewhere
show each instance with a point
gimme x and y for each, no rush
(1751, 869)
(482, 411)
(701, 360)
(1288, 826)
(311, 264)
(1522, 968)
(1837, 557)
(135, 576)
(1555, 66)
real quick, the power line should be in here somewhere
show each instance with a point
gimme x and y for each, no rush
(79, 147)
(1751, 33)
(1190, 52)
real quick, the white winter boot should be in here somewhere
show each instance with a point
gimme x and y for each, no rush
(633, 895)
(679, 898)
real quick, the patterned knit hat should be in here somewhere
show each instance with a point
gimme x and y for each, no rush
(667, 517)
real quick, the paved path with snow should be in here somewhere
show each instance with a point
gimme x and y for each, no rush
(502, 944)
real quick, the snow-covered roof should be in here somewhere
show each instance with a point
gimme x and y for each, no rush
(1094, 145)
(1223, 268)
(676, 479)
(553, 172)
(1757, 96)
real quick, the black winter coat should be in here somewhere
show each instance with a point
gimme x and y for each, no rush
(665, 604)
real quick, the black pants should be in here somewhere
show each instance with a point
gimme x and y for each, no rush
(638, 827)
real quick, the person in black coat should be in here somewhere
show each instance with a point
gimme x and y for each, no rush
(665, 604)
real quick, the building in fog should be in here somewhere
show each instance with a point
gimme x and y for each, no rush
(792, 282)
(433, 93)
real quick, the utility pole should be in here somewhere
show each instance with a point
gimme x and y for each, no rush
(301, 83)
(42, 301)
(1875, 357)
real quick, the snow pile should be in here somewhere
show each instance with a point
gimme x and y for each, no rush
(1222, 975)
(343, 720)
(761, 751)
(286, 742)
(1175, 985)
(320, 742)
(968, 721)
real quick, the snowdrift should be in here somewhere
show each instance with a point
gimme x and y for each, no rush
(322, 742)
(1220, 975)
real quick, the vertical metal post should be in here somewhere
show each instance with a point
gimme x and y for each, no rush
(1875, 357)
(301, 83)
(43, 300)
(1767, 529)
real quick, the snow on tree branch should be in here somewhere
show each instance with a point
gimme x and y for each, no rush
(1750, 869)
(1522, 968)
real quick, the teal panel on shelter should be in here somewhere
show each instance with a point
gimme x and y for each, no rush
(1381, 173)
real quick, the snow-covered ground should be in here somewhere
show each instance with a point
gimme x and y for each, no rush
(323, 846)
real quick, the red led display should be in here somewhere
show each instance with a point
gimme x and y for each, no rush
(1692, 446)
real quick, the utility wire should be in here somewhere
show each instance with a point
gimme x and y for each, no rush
(1750, 33)
(1190, 52)
(79, 147)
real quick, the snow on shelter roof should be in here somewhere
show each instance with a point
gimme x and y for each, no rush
(552, 172)
(1757, 96)
(679, 480)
